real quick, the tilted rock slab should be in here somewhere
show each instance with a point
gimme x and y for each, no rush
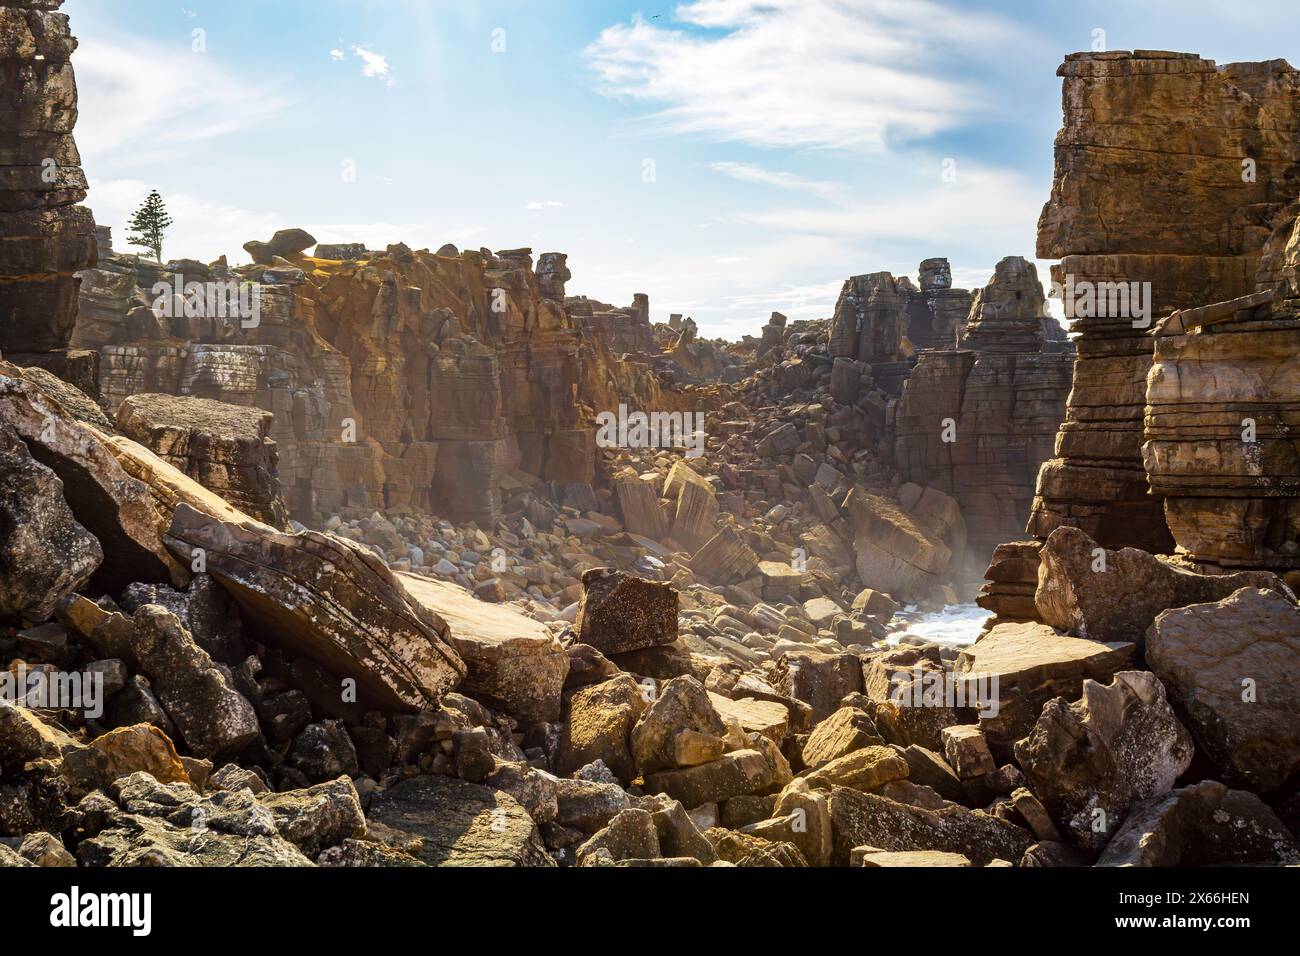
(1233, 672)
(328, 599)
(513, 662)
(1032, 663)
(1089, 761)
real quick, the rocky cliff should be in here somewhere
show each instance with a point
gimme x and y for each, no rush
(45, 237)
(978, 421)
(397, 379)
(1169, 174)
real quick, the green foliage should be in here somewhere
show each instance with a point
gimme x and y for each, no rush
(149, 225)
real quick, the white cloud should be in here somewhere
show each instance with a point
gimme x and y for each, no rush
(145, 101)
(373, 65)
(757, 175)
(999, 206)
(548, 204)
(337, 55)
(803, 72)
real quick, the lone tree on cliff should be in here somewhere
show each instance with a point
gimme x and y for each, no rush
(149, 225)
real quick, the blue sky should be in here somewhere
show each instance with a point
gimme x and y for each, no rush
(727, 157)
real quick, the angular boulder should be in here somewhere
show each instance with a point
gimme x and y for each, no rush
(1089, 761)
(44, 553)
(1205, 824)
(1104, 595)
(513, 662)
(1233, 674)
(620, 612)
(681, 706)
(328, 599)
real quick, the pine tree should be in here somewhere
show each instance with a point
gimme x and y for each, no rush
(149, 225)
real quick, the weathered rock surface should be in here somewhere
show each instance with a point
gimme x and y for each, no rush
(1091, 760)
(1116, 595)
(45, 237)
(512, 661)
(330, 600)
(44, 553)
(1233, 673)
(1132, 203)
(866, 819)
(682, 705)
(225, 448)
(621, 612)
(1031, 664)
(454, 823)
(978, 421)
(1202, 825)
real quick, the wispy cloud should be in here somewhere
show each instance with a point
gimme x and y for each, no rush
(803, 73)
(129, 96)
(547, 204)
(757, 175)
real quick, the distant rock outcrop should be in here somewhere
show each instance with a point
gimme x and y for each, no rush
(978, 420)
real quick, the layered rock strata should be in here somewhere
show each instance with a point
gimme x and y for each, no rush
(1169, 171)
(45, 237)
(979, 420)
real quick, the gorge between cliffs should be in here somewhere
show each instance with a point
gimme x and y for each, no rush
(343, 556)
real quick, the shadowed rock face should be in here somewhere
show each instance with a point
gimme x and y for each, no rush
(397, 379)
(1004, 391)
(45, 237)
(1150, 187)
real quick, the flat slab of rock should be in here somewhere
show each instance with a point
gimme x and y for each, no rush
(456, 823)
(1033, 663)
(737, 773)
(870, 856)
(764, 717)
(1233, 673)
(328, 599)
(514, 663)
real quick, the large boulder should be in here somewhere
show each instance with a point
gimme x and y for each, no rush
(285, 244)
(681, 706)
(452, 822)
(514, 663)
(598, 723)
(893, 553)
(1104, 595)
(44, 553)
(819, 679)
(1233, 673)
(110, 504)
(1089, 761)
(866, 819)
(620, 612)
(1025, 666)
(1202, 825)
(326, 598)
(735, 774)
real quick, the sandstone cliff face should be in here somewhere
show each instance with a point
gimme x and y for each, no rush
(1169, 172)
(1222, 428)
(978, 421)
(397, 380)
(45, 237)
